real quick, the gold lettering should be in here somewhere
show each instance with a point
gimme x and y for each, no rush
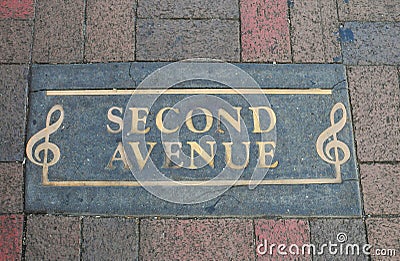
(256, 119)
(209, 121)
(115, 119)
(229, 118)
(209, 158)
(228, 155)
(168, 155)
(136, 120)
(262, 154)
(159, 121)
(120, 150)
(139, 158)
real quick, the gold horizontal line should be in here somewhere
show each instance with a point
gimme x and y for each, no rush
(189, 91)
(189, 183)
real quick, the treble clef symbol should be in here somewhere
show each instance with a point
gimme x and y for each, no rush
(334, 144)
(46, 146)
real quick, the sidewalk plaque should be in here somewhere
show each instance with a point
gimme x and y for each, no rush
(91, 132)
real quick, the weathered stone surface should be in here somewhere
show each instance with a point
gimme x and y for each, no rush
(13, 94)
(11, 187)
(110, 31)
(287, 232)
(337, 231)
(86, 146)
(11, 231)
(173, 40)
(315, 31)
(224, 9)
(17, 9)
(380, 183)
(58, 31)
(383, 235)
(374, 92)
(52, 238)
(207, 239)
(15, 44)
(265, 31)
(108, 238)
(370, 43)
(364, 10)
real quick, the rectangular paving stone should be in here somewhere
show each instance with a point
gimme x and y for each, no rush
(110, 32)
(86, 144)
(224, 9)
(364, 10)
(11, 231)
(315, 31)
(13, 95)
(172, 40)
(265, 31)
(16, 38)
(206, 239)
(366, 43)
(109, 238)
(11, 186)
(287, 232)
(374, 93)
(337, 234)
(380, 183)
(58, 31)
(384, 236)
(52, 238)
(17, 9)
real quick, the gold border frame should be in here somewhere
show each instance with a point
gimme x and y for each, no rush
(114, 183)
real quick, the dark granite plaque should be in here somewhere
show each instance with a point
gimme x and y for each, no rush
(81, 143)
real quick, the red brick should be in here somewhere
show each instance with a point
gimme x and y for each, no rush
(58, 31)
(278, 232)
(109, 31)
(381, 183)
(11, 187)
(265, 31)
(208, 239)
(16, 9)
(384, 233)
(11, 228)
(315, 29)
(52, 238)
(374, 92)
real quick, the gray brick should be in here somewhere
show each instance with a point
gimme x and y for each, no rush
(171, 40)
(13, 89)
(110, 32)
(15, 43)
(315, 30)
(58, 31)
(11, 187)
(52, 238)
(188, 9)
(109, 238)
(370, 43)
(374, 92)
(324, 231)
(366, 10)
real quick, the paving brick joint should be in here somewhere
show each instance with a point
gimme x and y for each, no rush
(71, 43)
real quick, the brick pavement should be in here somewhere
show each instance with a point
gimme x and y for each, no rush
(363, 35)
